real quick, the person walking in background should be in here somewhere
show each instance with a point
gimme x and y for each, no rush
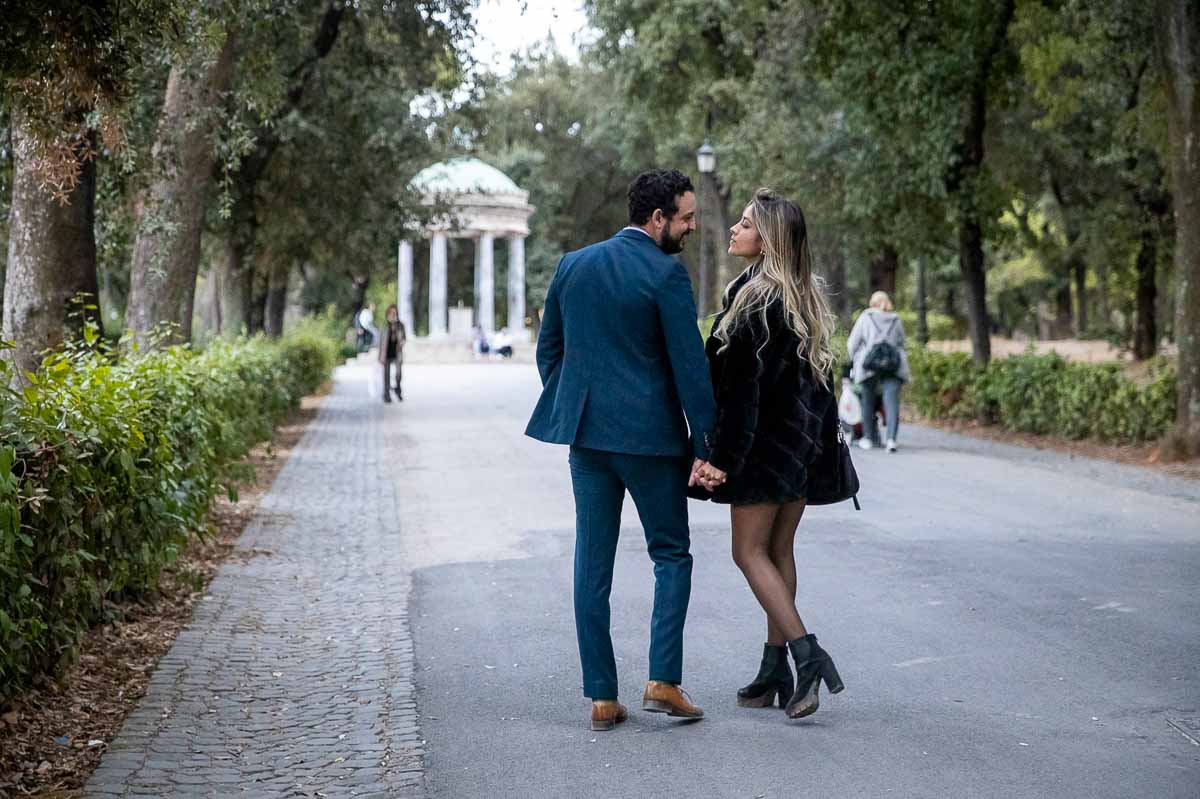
(361, 342)
(771, 361)
(366, 320)
(391, 352)
(877, 350)
(623, 379)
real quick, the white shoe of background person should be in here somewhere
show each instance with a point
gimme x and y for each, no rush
(865, 443)
(891, 445)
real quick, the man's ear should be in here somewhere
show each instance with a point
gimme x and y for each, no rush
(658, 217)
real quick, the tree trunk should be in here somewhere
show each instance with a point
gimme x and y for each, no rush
(1060, 320)
(970, 263)
(950, 304)
(728, 266)
(1145, 334)
(166, 253)
(1177, 33)
(258, 301)
(707, 270)
(884, 266)
(836, 275)
(277, 290)
(922, 312)
(236, 279)
(361, 283)
(962, 184)
(1078, 270)
(238, 299)
(51, 258)
(6, 120)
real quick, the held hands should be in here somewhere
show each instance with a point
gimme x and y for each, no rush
(705, 474)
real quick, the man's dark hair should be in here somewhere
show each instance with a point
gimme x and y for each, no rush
(659, 188)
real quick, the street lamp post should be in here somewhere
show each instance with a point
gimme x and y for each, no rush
(706, 162)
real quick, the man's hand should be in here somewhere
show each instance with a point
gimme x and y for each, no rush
(705, 474)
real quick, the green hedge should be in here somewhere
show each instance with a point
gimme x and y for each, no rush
(1042, 394)
(1045, 394)
(108, 465)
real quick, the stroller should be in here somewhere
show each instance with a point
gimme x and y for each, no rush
(850, 410)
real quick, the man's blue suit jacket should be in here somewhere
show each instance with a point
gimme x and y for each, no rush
(620, 356)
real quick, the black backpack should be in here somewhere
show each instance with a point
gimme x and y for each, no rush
(883, 358)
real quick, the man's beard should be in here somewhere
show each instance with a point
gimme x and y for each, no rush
(671, 246)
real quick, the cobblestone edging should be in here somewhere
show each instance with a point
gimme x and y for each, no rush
(295, 678)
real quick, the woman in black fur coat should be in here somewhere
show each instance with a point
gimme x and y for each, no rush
(771, 362)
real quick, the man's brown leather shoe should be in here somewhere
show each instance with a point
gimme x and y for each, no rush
(663, 697)
(606, 713)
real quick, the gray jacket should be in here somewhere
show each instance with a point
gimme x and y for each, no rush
(874, 325)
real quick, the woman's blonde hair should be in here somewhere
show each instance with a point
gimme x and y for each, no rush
(784, 272)
(882, 301)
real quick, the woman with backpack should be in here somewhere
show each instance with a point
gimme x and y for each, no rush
(880, 366)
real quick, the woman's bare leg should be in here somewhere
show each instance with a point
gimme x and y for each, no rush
(752, 526)
(782, 553)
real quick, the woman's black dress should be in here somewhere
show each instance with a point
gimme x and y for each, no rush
(770, 409)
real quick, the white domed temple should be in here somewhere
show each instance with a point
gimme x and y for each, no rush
(482, 204)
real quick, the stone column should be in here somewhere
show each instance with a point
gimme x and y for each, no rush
(485, 296)
(437, 285)
(475, 285)
(516, 288)
(404, 285)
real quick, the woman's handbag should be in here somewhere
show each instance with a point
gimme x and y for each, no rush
(832, 477)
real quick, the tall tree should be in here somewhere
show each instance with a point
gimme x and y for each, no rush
(1090, 71)
(166, 252)
(1177, 32)
(920, 79)
(352, 136)
(66, 70)
(236, 272)
(51, 254)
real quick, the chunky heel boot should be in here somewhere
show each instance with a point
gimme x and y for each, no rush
(813, 664)
(774, 680)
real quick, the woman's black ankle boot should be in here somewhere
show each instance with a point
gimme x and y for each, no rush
(813, 664)
(774, 680)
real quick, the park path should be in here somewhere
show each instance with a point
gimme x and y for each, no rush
(295, 675)
(1009, 623)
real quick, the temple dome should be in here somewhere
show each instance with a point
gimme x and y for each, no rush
(465, 175)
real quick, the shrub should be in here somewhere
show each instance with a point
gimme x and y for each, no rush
(1044, 394)
(108, 465)
(943, 384)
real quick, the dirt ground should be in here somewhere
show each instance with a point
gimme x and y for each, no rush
(1089, 351)
(52, 738)
(1071, 349)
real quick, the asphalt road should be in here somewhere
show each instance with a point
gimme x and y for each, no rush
(1008, 622)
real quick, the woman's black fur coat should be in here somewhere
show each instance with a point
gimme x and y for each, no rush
(771, 410)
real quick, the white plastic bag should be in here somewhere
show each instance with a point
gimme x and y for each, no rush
(849, 407)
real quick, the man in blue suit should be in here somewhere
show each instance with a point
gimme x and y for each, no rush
(626, 385)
